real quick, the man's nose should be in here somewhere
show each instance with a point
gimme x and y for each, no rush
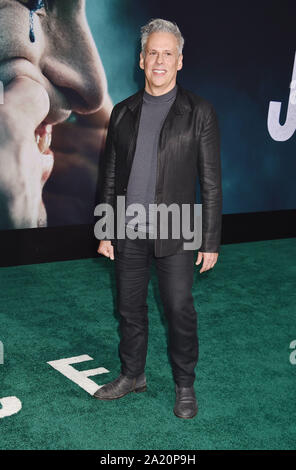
(159, 58)
(74, 66)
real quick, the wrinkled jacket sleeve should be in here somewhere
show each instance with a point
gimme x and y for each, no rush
(106, 180)
(209, 168)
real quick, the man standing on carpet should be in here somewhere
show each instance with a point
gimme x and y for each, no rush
(160, 140)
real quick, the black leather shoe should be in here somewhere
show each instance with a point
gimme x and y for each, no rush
(186, 404)
(120, 387)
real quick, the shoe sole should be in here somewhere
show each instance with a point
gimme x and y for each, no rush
(136, 390)
(186, 417)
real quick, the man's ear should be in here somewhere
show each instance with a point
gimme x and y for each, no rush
(141, 62)
(180, 62)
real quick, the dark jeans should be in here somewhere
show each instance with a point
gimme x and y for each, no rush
(175, 279)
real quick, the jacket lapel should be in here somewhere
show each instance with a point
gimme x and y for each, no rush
(135, 106)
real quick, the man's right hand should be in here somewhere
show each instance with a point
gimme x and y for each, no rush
(106, 249)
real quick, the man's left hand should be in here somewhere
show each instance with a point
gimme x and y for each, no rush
(209, 260)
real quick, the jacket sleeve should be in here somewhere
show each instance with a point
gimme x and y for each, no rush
(209, 169)
(107, 166)
(106, 178)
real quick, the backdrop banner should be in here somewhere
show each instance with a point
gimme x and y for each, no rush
(240, 56)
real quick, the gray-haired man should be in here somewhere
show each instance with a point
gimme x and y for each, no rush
(160, 140)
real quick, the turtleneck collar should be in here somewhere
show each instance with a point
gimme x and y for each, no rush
(160, 98)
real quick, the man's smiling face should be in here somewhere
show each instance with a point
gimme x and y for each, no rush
(63, 58)
(161, 62)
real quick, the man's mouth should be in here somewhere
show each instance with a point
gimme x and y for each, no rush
(159, 71)
(43, 135)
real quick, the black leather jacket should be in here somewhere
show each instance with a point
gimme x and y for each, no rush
(188, 148)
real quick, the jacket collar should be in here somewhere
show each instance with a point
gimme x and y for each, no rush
(180, 105)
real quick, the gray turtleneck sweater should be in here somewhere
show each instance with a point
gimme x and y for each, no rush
(142, 180)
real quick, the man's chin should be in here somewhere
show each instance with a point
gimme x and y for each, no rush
(160, 83)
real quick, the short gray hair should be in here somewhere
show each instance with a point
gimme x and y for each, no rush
(158, 25)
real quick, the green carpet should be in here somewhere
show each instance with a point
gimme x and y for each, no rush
(245, 381)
